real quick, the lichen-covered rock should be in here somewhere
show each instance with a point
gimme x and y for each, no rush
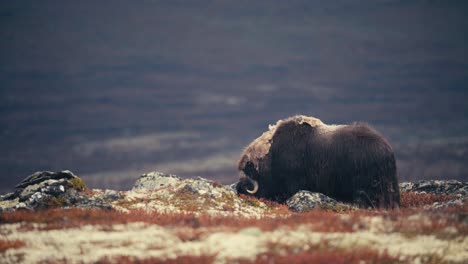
(111, 195)
(456, 189)
(41, 176)
(165, 193)
(152, 192)
(49, 186)
(90, 201)
(155, 180)
(204, 186)
(7, 196)
(305, 200)
(47, 189)
(449, 187)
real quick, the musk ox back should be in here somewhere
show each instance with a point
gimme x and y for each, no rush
(351, 163)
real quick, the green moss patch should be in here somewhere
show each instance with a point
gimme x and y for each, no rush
(78, 184)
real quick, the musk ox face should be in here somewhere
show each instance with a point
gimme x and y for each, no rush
(248, 179)
(351, 163)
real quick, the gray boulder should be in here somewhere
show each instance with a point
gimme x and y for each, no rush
(111, 195)
(41, 176)
(47, 189)
(48, 186)
(155, 180)
(304, 201)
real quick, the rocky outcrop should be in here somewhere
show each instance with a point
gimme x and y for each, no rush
(152, 191)
(43, 190)
(168, 193)
(457, 190)
(450, 187)
(162, 192)
(40, 177)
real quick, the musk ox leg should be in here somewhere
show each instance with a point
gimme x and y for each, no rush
(381, 195)
(390, 195)
(362, 199)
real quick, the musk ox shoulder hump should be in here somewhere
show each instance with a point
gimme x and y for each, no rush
(260, 147)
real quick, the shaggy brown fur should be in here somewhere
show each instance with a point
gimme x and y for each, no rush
(352, 163)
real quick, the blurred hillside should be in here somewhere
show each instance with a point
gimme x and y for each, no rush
(112, 89)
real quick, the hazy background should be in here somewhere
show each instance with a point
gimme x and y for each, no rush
(113, 89)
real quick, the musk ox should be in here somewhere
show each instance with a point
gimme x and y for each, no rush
(351, 163)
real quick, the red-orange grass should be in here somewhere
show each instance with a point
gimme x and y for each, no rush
(60, 218)
(8, 244)
(412, 199)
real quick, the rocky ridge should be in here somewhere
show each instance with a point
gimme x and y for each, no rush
(153, 191)
(166, 193)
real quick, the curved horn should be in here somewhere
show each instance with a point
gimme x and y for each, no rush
(255, 189)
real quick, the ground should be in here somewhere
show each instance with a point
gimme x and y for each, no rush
(201, 221)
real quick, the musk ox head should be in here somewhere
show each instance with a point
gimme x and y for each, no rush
(255, 162)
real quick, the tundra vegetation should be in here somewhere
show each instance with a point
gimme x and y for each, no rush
(165, 219)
